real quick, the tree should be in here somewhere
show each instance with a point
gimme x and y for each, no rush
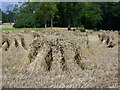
(11, 11)
(37, 13)
(25, 17)
(111, 15)
(46, 11)
(5, 18)
(91, 15)
(1, 15)
(79, 14)
(88, 15)
(15, 10)
(66, 13)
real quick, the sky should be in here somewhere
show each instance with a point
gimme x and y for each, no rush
(12, 0)
(3, 5)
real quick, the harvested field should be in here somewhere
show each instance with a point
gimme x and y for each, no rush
(59, 59)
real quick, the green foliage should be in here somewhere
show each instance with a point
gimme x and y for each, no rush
(91, 15)
(26, 17)
(78, 14)
(25, 20)
(82, 26)
(37, 14)
(11, 11)
(9, 29)
(82, 30)
(88, 15)
(1, 15)
(111, 15)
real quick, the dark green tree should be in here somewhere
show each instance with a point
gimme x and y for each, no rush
(89, 15)
(86, 14)
(12, 10)
(46, 11)
(37, 13)
(66, 13)
(1, 15)
(25, 17)
(111, 15)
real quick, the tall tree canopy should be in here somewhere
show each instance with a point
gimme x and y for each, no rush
(46, 11)
(37, 14)
(111, 15)
(63, 14)
(11, 11)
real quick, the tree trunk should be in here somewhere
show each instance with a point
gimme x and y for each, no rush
(45, 23)
(51, 23)
(69, 27)
(9, 19)
(10, 22)
(74, 27)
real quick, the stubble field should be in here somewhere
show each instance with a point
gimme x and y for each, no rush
(59, 59)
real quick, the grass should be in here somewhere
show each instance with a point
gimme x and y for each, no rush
(17, 29)
(32, 29)
(25, 29)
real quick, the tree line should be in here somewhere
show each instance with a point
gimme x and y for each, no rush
(87, 15)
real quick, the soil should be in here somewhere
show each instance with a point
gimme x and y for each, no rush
(58, 59)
